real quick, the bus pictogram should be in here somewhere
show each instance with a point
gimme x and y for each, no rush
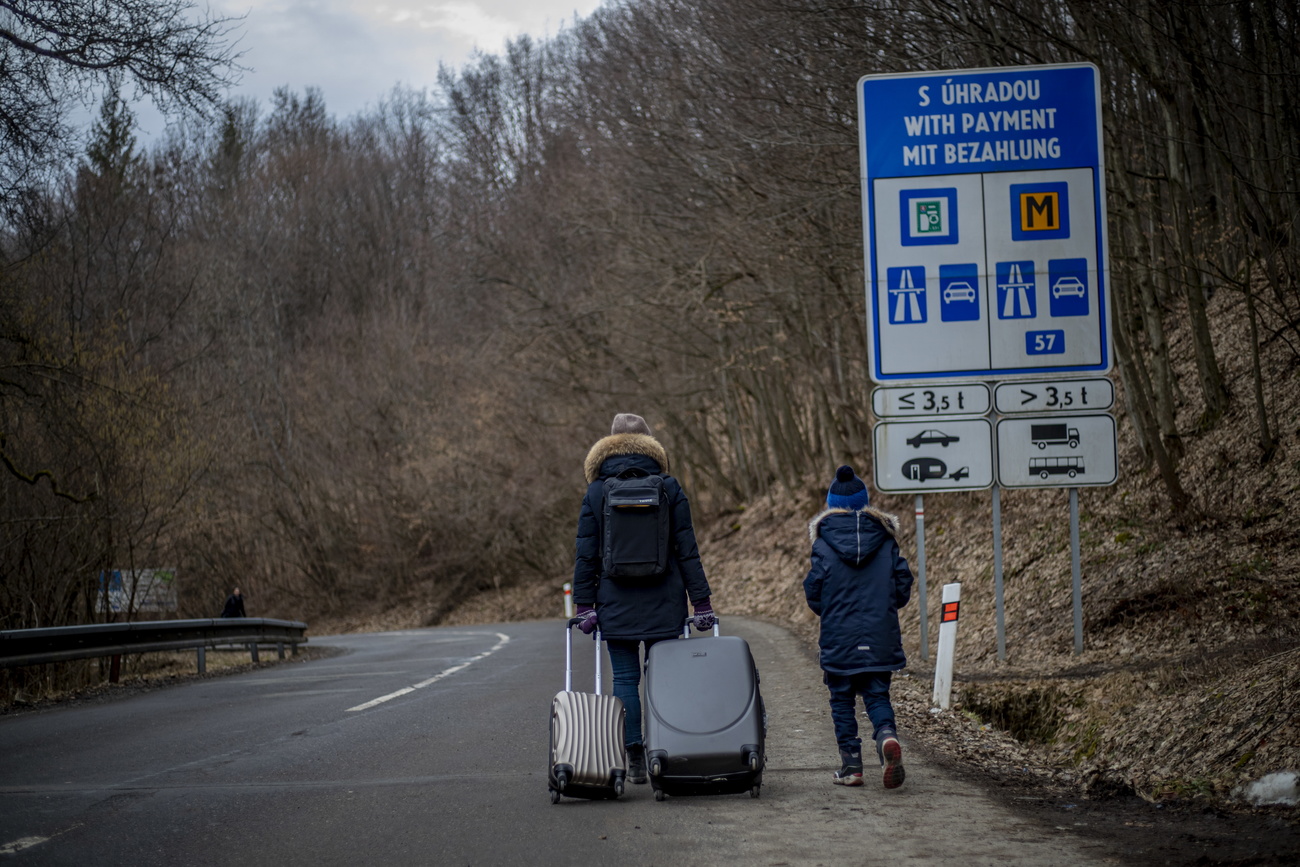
(1044, 467)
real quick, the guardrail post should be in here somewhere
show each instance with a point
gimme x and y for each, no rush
(252, 649)
(279, 648)
(115, 668)
(203, 660)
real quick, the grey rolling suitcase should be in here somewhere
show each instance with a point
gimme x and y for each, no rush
(587, 755)
(705, 724)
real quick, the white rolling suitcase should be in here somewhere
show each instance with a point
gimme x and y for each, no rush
(587, 755)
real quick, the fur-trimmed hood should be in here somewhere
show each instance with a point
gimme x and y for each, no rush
(623, 444)
(854, 536)
(888, 521)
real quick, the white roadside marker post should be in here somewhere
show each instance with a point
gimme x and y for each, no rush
(568, 601)
(947, 646)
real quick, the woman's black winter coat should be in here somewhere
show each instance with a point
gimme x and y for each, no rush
(856, 585)
(631, 611)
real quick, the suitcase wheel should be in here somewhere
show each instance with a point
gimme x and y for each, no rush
(618, 788)
(655, 767)
(555, 796)
(659, 794)
(753, 761)
(753, 791)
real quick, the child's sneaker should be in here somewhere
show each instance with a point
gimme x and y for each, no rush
(891, 758)
(850, 772)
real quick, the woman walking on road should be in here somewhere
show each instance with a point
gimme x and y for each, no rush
(631, 610)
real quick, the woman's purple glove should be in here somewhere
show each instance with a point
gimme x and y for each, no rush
(587, 617)
(704, 618)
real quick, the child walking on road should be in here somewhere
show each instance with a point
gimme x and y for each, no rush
(856, 585)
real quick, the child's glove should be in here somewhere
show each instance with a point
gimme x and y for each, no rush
(704, 617)
(587, 619)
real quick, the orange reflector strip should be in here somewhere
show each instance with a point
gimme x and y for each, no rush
(950, 612)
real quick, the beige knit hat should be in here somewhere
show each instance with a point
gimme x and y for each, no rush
(626, 422)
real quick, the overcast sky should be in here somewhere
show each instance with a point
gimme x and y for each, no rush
(355, 51)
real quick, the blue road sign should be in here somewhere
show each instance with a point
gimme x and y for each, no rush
(990, 184)
(1067, 286)
(907, 295)
(959, 292)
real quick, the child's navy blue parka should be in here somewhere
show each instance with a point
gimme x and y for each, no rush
(856, 585)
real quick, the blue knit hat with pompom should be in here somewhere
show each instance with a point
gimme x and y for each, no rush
(847, 491)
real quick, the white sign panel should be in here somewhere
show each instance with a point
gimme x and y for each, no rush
(984, 219)
(126, 590)
(1057, 451)
(933, 454)
(970, 398)
(1060, 395)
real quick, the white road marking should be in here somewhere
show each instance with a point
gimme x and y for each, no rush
(502, 641)
(28, 842)
(264, 680)
(21, 844)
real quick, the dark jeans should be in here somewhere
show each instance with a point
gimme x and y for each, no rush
(625, 660)
(873, 686)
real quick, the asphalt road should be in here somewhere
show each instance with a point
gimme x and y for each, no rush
(298, 764)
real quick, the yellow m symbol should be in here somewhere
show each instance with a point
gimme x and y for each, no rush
(1039, 212)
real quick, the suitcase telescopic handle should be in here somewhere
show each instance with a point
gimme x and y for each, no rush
(686, 627)
(568, 655)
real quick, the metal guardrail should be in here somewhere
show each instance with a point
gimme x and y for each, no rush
(62, 643)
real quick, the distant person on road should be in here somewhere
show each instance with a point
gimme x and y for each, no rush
(647, 605)
(856, 585)
(234, 605)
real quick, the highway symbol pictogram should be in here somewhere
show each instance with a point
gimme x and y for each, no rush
(907, 295)
(1015, 281)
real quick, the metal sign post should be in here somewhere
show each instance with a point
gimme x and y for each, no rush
(920, 577)
(998, 607)
(1076, 582)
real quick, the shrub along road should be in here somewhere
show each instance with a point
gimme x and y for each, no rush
(279, 766)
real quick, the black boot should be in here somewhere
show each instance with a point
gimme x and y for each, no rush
(850, 772)
(636, 763)
(891, 757)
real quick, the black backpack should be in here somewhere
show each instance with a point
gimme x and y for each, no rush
(635, 543)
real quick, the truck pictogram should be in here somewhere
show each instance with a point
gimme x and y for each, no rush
(1044, 435)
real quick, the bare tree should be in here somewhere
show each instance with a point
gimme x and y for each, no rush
(55, 56)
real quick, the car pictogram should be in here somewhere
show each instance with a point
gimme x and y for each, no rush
(931, 437)
(958, 291)
(1068, 286)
